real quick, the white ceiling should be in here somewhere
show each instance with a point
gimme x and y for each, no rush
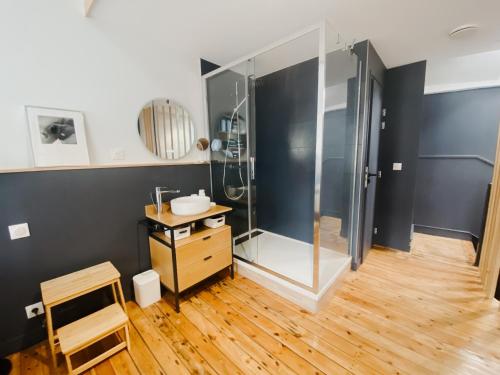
(403, 31)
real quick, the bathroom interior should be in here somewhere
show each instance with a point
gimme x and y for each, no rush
(183, 196)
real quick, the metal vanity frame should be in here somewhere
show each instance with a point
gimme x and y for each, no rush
(151, 233)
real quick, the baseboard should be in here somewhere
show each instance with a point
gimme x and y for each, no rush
(445, 232)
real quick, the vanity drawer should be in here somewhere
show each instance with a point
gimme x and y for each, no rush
(197, 251)
(193, 273)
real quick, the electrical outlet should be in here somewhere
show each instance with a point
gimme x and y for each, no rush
(19, 231)
(30, 310)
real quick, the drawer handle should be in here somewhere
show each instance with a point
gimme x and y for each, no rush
(207, 258)
(207, 238)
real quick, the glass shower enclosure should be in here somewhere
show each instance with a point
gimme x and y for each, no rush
(283, 143)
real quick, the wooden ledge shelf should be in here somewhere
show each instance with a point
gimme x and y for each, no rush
(100, 166)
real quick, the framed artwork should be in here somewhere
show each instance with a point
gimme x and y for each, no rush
(57, 137)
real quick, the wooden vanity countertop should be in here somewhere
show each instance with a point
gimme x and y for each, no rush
(170, 220)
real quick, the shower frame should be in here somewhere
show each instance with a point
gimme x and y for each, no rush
(321, 28)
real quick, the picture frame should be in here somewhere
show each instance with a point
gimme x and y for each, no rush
(57, 137)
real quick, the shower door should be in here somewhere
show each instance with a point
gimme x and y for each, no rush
(232, 162)
(262, 116)
(272, 159)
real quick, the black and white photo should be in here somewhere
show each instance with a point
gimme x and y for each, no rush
(57, 137)
(57, 130)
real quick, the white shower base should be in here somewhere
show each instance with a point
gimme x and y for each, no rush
(294, 260)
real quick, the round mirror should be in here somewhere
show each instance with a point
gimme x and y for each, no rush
(166, 129)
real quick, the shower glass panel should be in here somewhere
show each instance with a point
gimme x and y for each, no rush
(339, 148)
(284, 115)
(283, 163)
(228, 119)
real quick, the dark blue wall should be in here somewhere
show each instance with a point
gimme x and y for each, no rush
(286, 108)
(399, 142)
(77, 218)
(457, 150)
(207, 66)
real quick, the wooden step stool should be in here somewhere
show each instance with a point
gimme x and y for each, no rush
(81, 334)
(86, 331)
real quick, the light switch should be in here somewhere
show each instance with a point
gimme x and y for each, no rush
(397, 166)
(19, 231)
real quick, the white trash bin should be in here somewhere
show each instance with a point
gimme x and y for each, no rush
(147, 288)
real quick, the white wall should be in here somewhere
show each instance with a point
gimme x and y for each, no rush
(461, 73)
(105, 66)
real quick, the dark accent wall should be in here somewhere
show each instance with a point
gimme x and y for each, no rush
(207, 66)
(399, 142)
(286, 110)
(455, 166)
(77, 218)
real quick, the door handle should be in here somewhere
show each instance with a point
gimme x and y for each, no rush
(368, 175)
(252, 167)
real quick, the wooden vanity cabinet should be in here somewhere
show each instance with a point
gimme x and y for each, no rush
(199, 256)
(185, 262)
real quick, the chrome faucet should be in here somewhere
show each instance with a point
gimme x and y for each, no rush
(159, 201)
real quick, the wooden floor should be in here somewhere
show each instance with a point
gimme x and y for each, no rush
(417, 313)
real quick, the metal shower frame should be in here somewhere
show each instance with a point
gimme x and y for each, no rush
(321, 29)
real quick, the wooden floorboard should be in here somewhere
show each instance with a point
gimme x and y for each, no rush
(422, 312)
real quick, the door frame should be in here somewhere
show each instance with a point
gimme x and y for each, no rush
(489, 265)
(366, 156)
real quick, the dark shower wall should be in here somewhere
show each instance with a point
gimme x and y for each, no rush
(332, 183)
(286, 111)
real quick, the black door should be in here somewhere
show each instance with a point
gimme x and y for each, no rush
(371, 165)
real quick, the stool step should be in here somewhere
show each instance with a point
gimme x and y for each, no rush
(91, 328)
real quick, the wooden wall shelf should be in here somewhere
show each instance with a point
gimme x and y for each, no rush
(100, 166)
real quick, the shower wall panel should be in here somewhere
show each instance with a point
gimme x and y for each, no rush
(286, 111)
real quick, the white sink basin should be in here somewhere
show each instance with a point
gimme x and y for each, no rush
(193, 205)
